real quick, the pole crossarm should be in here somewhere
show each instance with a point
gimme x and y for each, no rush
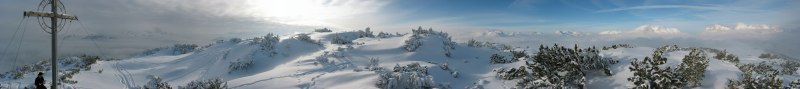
(49, 14)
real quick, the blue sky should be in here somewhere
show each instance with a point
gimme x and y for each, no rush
(592, 15)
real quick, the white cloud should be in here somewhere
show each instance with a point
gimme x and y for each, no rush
(741, 29)
(609, 32)
(656, 29)
(646, 31)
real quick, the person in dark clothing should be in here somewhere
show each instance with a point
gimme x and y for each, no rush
(39, 83)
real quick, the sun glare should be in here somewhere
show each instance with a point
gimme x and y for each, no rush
(305, 12)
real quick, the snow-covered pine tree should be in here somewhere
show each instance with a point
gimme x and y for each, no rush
(648, 75)
(752, 80)
(693, 67)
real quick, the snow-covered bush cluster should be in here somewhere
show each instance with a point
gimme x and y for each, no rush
(215, 83)
(241, 64)
(495, 46)
(512, 73)
(769, 56)
(154, 83)
(373, 64)
(388, 35)
(649, 74)
(159, 83)
(617, 46)
(306, 38)
(752, 78)
(411, 76)
(365, 33)
(267, 43)
(412, 43)
(502, 57)
(69, 66)
(789, 67)
(508, 56)
(560, 67)
(723, 55)
(322, 30)
(174, 50)
(324, 59)
(418, 34)
(338, 39)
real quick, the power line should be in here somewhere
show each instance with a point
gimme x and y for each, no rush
(20, 43)
(85, 30)
(13, 37)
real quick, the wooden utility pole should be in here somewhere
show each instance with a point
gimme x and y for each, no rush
(54, 16)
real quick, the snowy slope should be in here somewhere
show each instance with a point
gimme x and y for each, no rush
(299, 63)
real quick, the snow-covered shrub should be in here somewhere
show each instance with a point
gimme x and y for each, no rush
(789, 67)
(755, 80)
(174, 50)
(235, 40)
(413, 43)
(513, 73)
(502, 58)
(306, 38)
(617, 46)
(727, 57)
(184, 48)
(794, 84)
(87, 61)
(373, 64)
(561, 67)
(647, 73)
(760, 68)
(267, 43)
(387, 35)
(322, 60)
(768, 56)
(215, 83)
(473, 43)
(365, 33)
(241, 64)
(448, 45)
(411, 76)
(322, 30)
(67, 76)
(693, 67)
(340, 40)
(155, 83)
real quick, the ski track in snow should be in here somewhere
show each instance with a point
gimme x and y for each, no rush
(124, 76)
